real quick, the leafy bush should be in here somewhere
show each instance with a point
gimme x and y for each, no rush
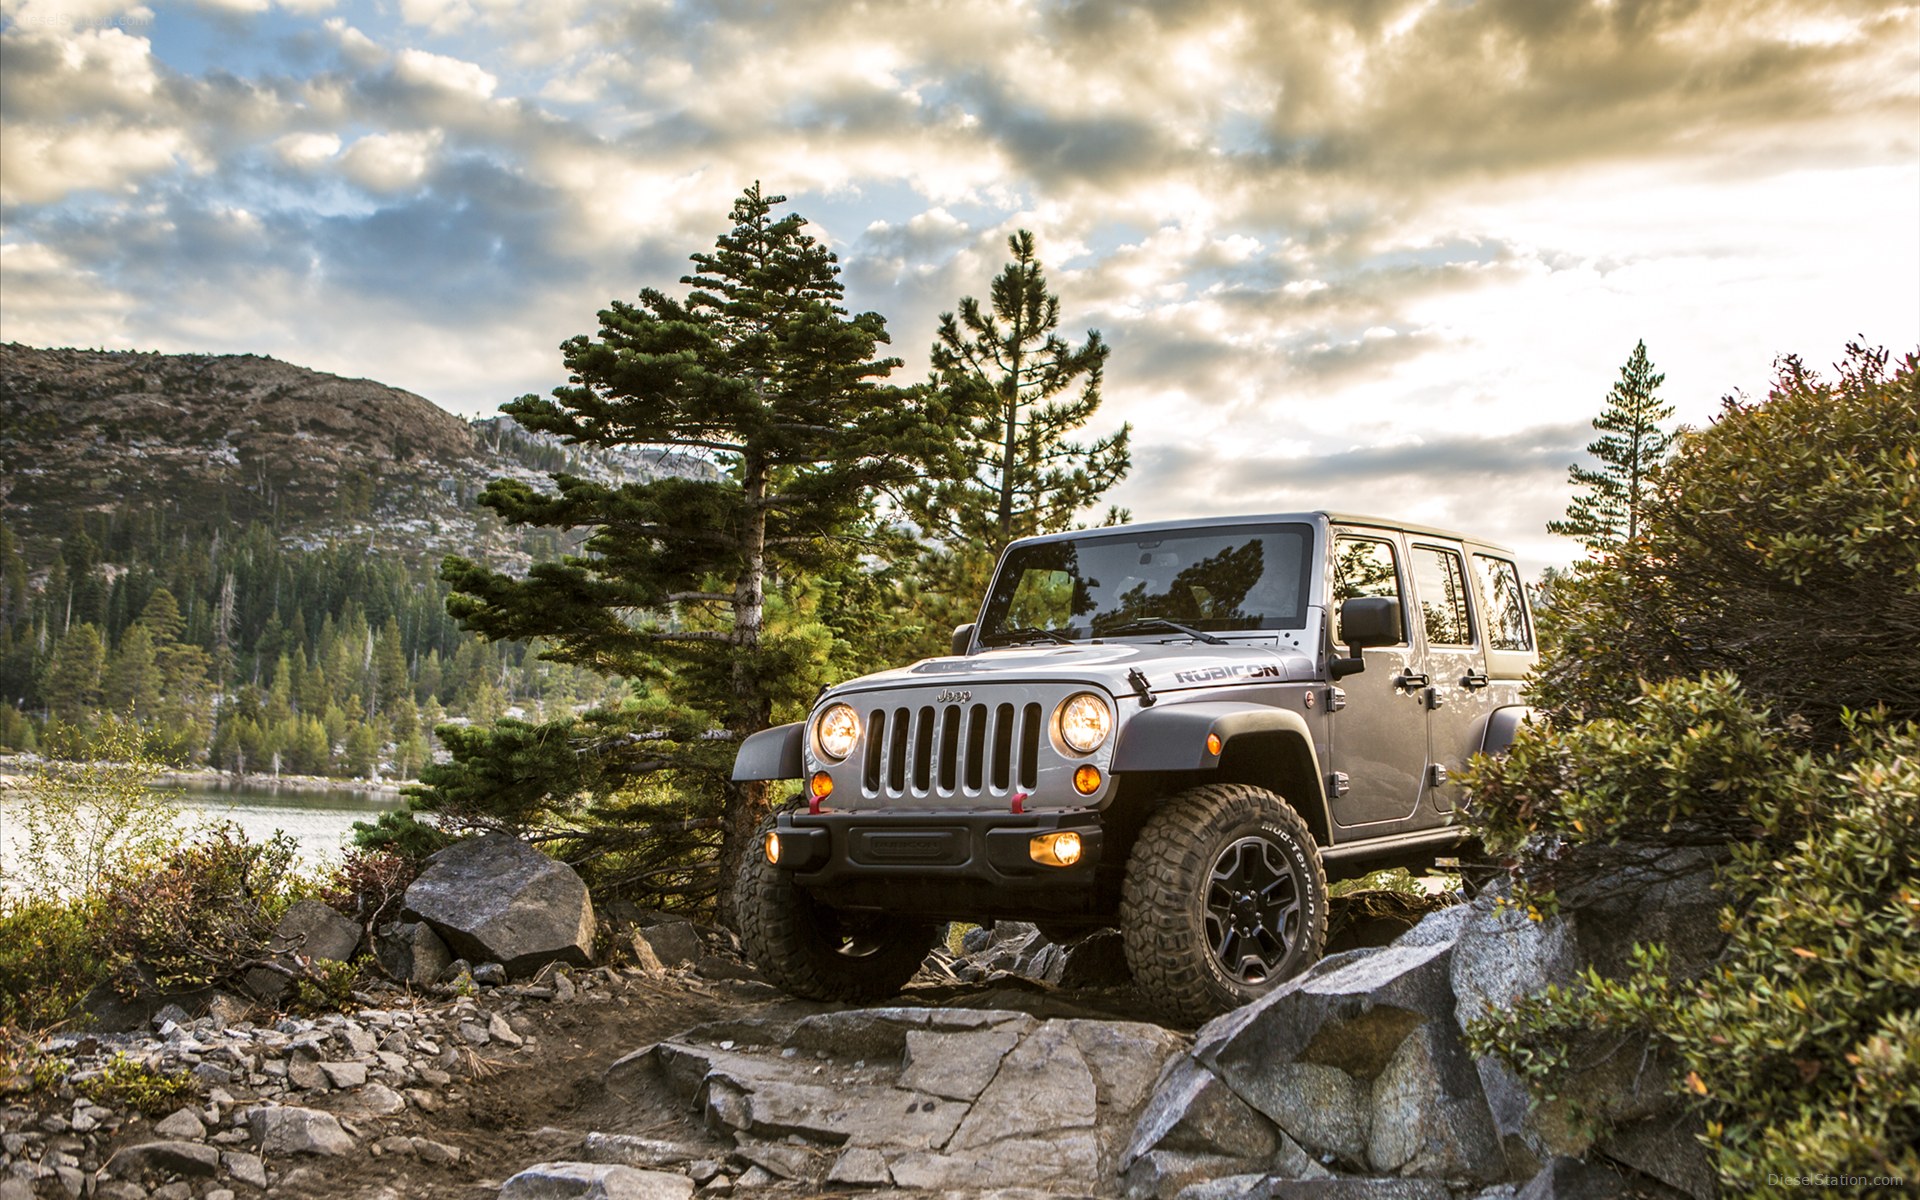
(201, 912)
(49, 958)
(1782, 544)
(1798, 1048)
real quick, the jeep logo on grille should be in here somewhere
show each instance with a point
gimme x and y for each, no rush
(953, 696)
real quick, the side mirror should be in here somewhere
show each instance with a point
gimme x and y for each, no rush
(962, 637)
(1365, 621)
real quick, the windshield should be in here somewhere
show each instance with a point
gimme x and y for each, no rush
(1232, 577)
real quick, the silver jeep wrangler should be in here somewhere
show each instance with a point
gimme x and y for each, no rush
(1180, 728)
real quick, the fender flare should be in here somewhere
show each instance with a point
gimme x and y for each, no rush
(771, 754)
(1174, 738)
(1503, 724)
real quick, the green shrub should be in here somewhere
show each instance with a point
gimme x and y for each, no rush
(1782, 544)
(1798, 1048)
(136, 1085)
(201, 912)
(50, 956)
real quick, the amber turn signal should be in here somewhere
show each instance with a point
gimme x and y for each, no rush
(1055, 849)
(1086, 780)
(773, 847)
(1213, 744)
(821, 785)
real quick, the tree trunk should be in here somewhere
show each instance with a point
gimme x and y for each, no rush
(746, 803)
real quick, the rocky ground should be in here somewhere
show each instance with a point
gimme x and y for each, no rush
(453, 1089)
(1011, 1067)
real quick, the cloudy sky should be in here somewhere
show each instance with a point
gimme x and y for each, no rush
(1382, 255)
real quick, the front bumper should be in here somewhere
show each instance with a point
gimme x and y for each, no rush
(827, 850)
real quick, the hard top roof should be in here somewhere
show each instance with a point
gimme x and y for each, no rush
(1315, 516)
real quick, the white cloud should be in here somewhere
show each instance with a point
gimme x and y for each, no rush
(390, 162)
(439, 71)
(307, 149)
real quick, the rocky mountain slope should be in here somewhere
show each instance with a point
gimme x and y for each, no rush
(239, 438)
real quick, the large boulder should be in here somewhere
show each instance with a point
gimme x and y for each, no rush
(309, 932)
(497, 899)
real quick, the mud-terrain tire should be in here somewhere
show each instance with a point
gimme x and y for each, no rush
(1225, 899)
(806, 948)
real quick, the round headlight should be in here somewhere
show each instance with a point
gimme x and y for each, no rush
(1085, 721)
(835, 732)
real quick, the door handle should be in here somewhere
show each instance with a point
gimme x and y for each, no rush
(1475, 679)
(1411, 680)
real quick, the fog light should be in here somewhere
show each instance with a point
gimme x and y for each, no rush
(1055, 849)
(773, 847)
(1086, 780)
(821, 785)
(1213, 744)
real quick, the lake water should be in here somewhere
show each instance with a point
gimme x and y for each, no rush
(320, 822)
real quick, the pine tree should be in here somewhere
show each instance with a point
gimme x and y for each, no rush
(1007, 368)
(73, 679)
(760, 370)
(1607, 516)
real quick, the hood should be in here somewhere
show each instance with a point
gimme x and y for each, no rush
(1167, 666)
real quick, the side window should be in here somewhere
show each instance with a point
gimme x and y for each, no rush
(1507, 627)
(1440, 580)
(1363, 567)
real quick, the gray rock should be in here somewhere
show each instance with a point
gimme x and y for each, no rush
(1357, 1189)
(1126, 1058)
(1226, 1187)
(780, 1159)
(490, 974)
(183, 1124)
(594, 1181)
(1066, 1161)
(310, 931)
(630, 1151)
(1669, 1149)
(245, 1168)
(376, 1100)
(172, 1157)
(410, 952)
(1097, 960)
(858, 1166)
(1430, 1118)
(1042, 1086)
(1165, 1174)
(1352, 1015)
(1438, 928)
(1193, 1112)
(437, 1154)
(290, 1130)
(1500, 956)
(1570, 1179)
(344, 1074)
(957, 1066)
(1323, 1108)
(497, 899)
(674, 943)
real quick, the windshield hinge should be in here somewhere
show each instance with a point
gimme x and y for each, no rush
(1138, 679)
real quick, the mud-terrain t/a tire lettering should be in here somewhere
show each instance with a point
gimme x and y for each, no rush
(811, 950)
(1225, 898)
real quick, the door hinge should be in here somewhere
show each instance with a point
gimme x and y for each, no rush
(1436, 698)
(1437, 775)
(1338, 783)
(1336, 699)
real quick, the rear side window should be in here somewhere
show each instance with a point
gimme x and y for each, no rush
(1507, 625)
(1440, 580)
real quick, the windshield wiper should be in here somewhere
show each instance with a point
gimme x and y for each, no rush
(1142, 624)
(1019, 633)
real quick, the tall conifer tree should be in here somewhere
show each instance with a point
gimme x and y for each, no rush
(1025, 388)
(759, 370)
(1608, 514)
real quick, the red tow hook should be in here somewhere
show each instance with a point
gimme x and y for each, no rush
(1019, 803)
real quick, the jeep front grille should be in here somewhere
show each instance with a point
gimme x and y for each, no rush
(952, 749)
